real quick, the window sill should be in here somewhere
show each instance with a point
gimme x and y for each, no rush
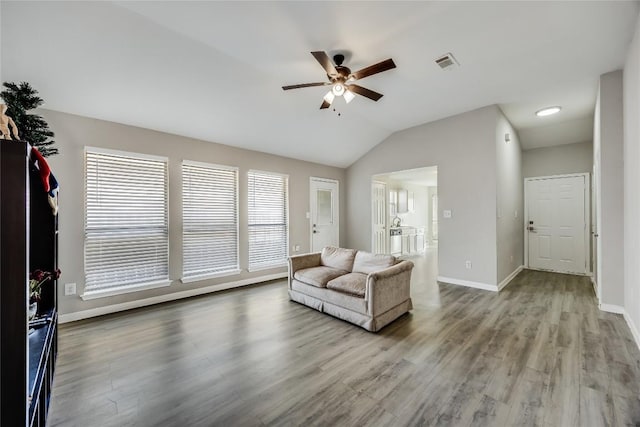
(267, 267)
(191, 279)
(89, 295)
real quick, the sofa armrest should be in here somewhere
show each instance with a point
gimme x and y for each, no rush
(298, 262)
(388, 288)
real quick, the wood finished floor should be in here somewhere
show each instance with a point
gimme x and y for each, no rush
(538, 353)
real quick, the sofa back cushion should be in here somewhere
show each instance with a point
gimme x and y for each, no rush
(366, 262)
(339, 258)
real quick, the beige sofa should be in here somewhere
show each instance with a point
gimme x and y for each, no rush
(362, 288)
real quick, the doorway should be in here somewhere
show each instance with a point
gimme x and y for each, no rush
(403, 214)
(556, 215)
(324, 213)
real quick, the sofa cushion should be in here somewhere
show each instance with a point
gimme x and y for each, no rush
(350, 302)
(350, 283)
(318, 276)
(339, 258)
(366, 262)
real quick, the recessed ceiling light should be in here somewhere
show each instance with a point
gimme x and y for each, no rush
(548, 111)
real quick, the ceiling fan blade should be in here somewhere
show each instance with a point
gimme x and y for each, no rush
(365, 92)
(374, 69)
(305, 85)
(326, 63)
(325, 104)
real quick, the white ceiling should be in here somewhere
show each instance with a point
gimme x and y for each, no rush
(214, 70)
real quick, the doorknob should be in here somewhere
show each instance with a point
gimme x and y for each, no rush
(531, 229)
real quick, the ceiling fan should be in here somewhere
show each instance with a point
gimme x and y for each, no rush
(341, 78)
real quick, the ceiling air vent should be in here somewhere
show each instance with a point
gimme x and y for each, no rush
(447, 61)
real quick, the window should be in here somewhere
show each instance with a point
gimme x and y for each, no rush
(210, 220)
(268, 220)
(126, 226)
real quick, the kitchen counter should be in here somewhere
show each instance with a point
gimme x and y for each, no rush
(406, 240)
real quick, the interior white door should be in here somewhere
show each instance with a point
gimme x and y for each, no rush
(325, 214)
(556, 224)
(379, 218)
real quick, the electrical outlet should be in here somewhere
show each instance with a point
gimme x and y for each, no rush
(296, 248)
(446, 213)
(69, 288)
(467, 264)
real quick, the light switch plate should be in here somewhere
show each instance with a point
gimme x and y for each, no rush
(446, 214)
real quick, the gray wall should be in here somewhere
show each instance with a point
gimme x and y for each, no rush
(463, 148)
(558, 160)
(509, 199)
(73, 133)
(632, 183)
(610, 181)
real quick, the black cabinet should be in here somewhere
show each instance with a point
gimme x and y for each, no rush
(28, 241)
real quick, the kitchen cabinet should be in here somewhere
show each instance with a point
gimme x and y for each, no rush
(403, 201)
(393, 203)
(406, 244)
(420, 242)
(412, 241)
(395, 242)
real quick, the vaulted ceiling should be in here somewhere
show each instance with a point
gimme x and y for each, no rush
(214, 70)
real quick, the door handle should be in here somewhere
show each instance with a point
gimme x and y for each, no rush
(531, 229)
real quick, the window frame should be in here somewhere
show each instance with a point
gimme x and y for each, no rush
(278, 264)
(237, 269)
(89, 294)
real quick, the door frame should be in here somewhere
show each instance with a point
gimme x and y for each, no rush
(587, 217)
(337, 206)
(386, 215)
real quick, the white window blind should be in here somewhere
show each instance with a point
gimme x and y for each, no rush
(210, 220)
(126, 225)
(268, 220)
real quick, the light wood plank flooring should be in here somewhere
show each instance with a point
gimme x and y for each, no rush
(538, 353)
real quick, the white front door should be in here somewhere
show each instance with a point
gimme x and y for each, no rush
(379, 218)
(325, 214)
(556, 224)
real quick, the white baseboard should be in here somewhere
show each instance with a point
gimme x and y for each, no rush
(632, 326)
(114, 308)
(510, 277)
(595, 287)
(468, 283)
(610, 308)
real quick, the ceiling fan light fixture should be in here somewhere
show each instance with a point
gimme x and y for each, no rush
(548, 111)
(338, 89)
(329, 97)
(348, 96)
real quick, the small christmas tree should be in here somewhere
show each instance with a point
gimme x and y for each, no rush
(21, 98)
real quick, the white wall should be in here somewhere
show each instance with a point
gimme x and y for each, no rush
(631, 97)
(73, 133)
(463, 148)
(509, 199)
(610, 178)
(558, 160)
